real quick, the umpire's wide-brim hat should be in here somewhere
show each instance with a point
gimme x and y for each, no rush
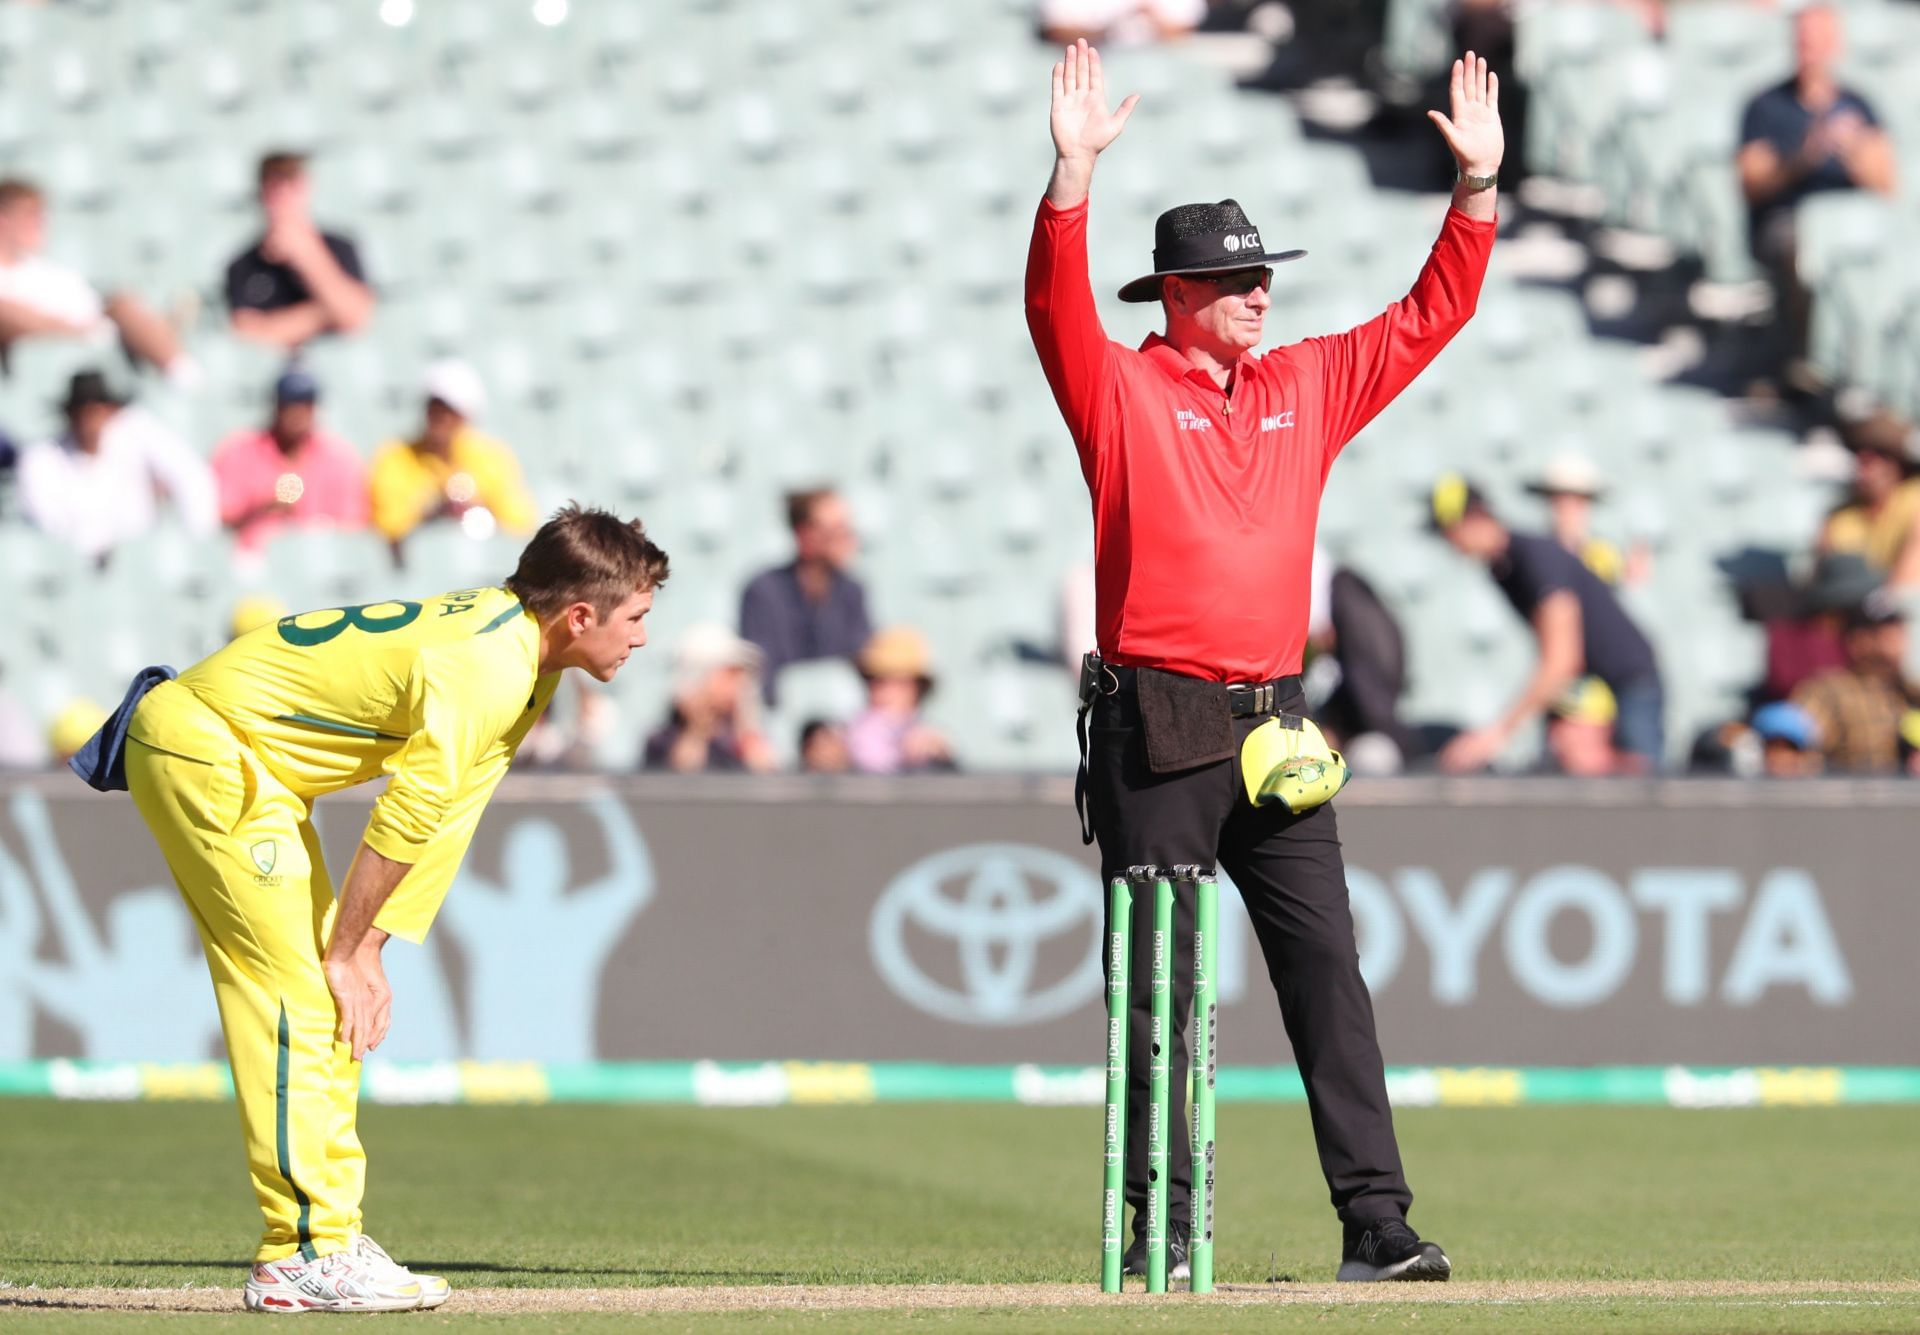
(1202, 239)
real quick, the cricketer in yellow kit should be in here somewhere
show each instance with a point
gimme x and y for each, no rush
(224, 764)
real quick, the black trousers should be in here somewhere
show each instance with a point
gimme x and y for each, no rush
(1293, 880)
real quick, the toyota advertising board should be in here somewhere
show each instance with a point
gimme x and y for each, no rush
(957, 920)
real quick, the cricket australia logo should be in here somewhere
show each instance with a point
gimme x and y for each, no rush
(265, 855)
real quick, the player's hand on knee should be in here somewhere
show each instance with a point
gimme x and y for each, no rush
(353, 1001)
(379, 997)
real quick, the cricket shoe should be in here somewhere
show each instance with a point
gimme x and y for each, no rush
(336, 1282)
(433, 1289)
(1388, 1249)
(1135, 1261)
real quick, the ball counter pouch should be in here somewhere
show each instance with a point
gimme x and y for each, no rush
(1160, 883)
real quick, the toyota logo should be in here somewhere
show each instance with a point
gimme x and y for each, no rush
(991, 935)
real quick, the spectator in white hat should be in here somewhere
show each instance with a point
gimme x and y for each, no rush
(450, 470)
(712, 725)
(1571, 486)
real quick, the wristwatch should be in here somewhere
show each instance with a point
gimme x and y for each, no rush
(1486, 182)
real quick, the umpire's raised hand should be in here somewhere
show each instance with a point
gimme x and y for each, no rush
(1081, 122)
(1472, 130)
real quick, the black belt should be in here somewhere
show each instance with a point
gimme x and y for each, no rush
(1244, 699)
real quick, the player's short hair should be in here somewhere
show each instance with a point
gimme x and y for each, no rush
(586, 556)
(801, 504)
(281, 165)
(17, 190)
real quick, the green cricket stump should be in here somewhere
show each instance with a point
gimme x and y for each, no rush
(1159, 1113)
(1118, 958)
(1206, 923)
(1113, 1197)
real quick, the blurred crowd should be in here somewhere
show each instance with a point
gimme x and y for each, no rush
(1832, 696)
(1112, 23)
(114, 469)
(1805, 136)
(99, 483)
(96, 484)
(1809, 134)
(810, 611)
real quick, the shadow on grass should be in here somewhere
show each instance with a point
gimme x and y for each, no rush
(20, 1302)
(665, 1276)
(654, 1276)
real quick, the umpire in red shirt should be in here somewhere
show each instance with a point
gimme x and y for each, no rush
(1206, 462)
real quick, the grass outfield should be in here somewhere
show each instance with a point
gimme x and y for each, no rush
(1573, 1208)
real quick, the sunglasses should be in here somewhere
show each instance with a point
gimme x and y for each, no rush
(1237, 283)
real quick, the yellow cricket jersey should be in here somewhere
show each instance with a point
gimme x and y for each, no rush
(436, 694)
(1881, 537)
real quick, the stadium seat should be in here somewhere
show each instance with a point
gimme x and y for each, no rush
(1743, 43)
(1844, 239)
(1558, 49)
(828, 688)
(1417, 42)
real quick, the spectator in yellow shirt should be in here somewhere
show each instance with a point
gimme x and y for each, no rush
(1881, 519)
(451, 470)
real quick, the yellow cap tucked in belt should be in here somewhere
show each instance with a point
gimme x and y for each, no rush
(1286, 760)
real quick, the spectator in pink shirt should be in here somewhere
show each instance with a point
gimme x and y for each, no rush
(289, 471)
(889, 736)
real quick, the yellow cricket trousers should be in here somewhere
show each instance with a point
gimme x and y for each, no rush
(243, 851)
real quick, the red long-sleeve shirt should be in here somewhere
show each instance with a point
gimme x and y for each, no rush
(1204, 501)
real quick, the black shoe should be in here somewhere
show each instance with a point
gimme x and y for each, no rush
(1388, 1249)
(1135, 1261)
